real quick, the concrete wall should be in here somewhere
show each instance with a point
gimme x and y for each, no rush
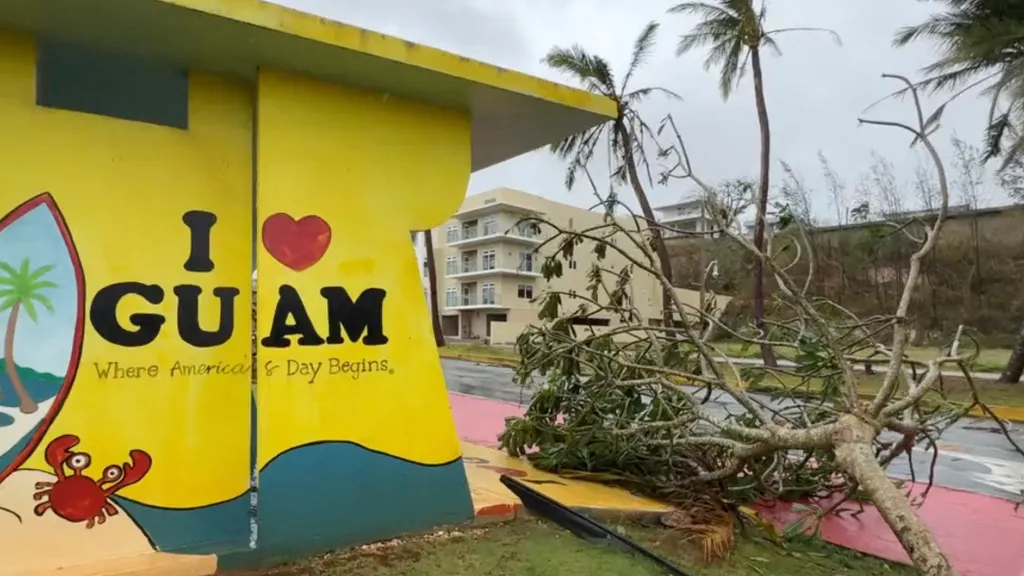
(130, 436)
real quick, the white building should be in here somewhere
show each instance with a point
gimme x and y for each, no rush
(686, 215)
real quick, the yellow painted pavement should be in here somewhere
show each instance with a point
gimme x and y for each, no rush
(484, 467)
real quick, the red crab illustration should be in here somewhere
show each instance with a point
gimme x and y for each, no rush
(78, 498)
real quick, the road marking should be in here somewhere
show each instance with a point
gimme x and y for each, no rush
(1004, 475)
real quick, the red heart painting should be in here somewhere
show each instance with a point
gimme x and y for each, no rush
(298, 244)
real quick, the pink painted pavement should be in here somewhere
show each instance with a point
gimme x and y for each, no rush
(979, 533)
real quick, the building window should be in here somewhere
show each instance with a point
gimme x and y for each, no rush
(487, 294)
(526, 261)
(572, 264)
(525, 291)
(451, 266)
(452, 233)
(490, 260)
(451, 298)
(490, 226)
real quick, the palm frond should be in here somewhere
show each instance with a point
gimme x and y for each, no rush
(29, 308)
(831, 33)
(9, 302)
(8, 269)
(46, 303)
(593, 72)
(40, 272)
(731, 72)
(701, 10)
(642, 48)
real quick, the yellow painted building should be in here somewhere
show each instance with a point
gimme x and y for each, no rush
(154, 150)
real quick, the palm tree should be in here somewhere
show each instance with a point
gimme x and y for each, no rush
(981, 45)
(735, 32)
(624, 133)
(20, 289)
(435, 308)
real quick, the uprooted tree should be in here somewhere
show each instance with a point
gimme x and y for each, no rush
(660, 409)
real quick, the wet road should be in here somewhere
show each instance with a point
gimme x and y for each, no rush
(973, 455)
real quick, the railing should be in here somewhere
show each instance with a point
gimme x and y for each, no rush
(484, 298)
(520, 231)
(468, 267)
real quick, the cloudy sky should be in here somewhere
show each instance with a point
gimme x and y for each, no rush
(815, 90)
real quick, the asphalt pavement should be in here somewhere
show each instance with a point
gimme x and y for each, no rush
(973, 454)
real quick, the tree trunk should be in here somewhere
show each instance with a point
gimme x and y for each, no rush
(767, 354)
(27, 404)
(435, 308)
(1015, 365)
(855, 456)
(657, 241)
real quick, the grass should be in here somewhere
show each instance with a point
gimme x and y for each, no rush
(536, 548)
(989, 359)
(956, 389)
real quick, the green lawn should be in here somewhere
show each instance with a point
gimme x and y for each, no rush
(989, 360)
(956, 388)
(535, 548)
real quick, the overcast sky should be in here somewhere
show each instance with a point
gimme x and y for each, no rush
(815, 90)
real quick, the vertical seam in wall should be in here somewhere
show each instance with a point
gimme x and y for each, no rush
(254, 383)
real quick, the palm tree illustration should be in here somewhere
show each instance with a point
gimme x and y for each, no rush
(20, 289)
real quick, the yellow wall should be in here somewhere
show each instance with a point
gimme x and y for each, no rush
(123, 187)
(373, 168)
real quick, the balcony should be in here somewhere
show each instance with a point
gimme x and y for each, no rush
(482, 300)
(526, 235)
(504, 267)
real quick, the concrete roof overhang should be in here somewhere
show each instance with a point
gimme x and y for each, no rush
(512, 113)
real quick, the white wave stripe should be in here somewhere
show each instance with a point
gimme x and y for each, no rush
(23, 424)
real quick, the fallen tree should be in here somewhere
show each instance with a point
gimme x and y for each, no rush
(640, 403)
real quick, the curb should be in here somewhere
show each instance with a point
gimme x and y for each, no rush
(1009, 413)
(480, 359)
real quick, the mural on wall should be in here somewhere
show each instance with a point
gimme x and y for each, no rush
(125, 386)
(126, 399)
(44, 315)
(354, 425)
(42, 309)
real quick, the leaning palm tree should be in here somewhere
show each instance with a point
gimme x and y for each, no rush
(623, 135)
(734, 30)
(20, 289)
